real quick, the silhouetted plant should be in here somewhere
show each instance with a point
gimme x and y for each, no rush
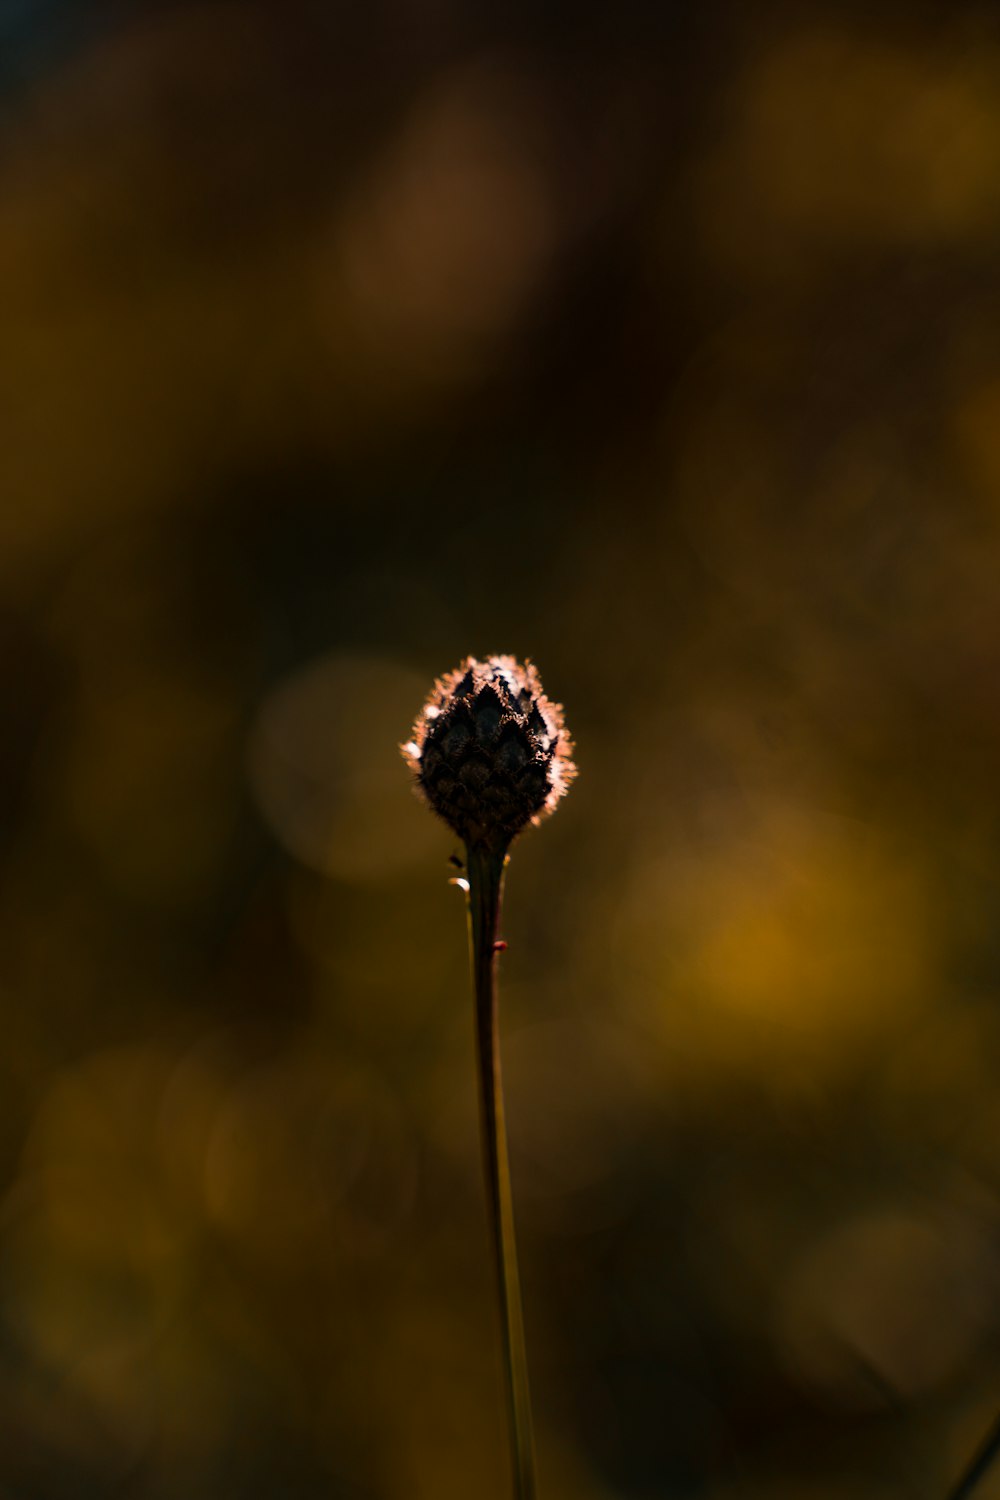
(490, 755)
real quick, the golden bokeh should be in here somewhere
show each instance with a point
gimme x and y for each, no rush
(660, 345)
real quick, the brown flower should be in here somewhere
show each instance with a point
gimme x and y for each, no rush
(489, 751)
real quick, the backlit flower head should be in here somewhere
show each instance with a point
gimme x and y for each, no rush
(489, 751)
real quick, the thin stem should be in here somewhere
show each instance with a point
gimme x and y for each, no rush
(485, 892)
(980, 1463)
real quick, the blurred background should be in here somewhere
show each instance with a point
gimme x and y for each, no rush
(661, 343)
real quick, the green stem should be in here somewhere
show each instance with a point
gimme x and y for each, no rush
(485, 872)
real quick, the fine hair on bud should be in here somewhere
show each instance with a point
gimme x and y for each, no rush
(489, 752)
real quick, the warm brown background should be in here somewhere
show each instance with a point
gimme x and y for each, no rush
(662, 343)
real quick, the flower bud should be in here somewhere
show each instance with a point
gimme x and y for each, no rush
(489, 751)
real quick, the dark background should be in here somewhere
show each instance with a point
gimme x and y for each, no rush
(658, 342)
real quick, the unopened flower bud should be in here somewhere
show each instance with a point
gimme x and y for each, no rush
(489, 751)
